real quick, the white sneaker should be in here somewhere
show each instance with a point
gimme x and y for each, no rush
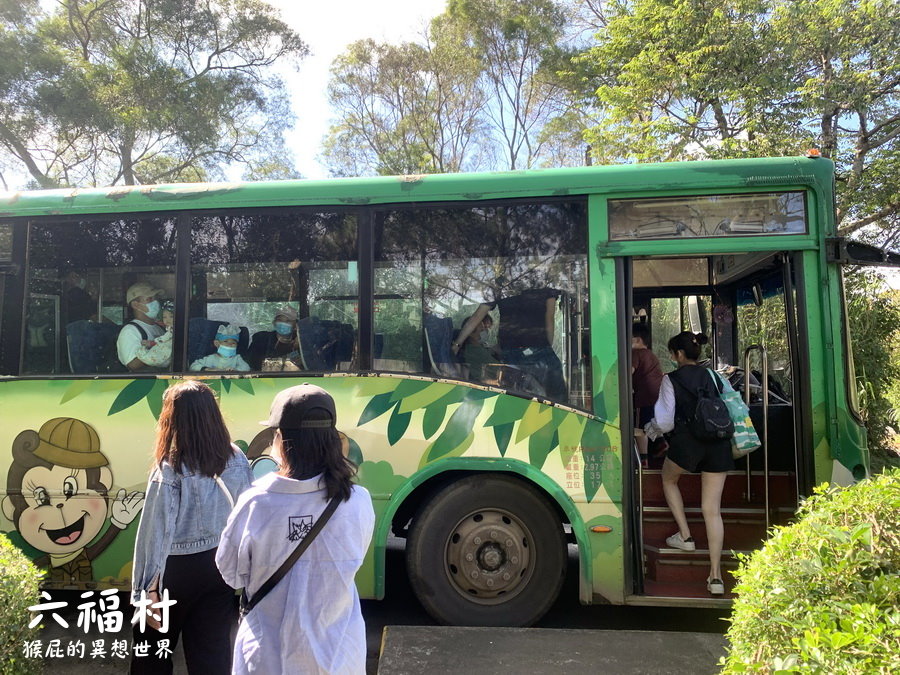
(675, 541)
(715, 586)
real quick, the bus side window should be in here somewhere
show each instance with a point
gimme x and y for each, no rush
(78, 272)
(520, 269)
(288, 279)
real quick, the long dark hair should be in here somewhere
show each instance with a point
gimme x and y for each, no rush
(191, 432)
(688, 342)
(306, 453)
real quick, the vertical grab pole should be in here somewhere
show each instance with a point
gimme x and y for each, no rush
(764, 391)
(640, 500)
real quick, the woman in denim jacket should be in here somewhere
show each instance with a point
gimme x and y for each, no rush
(197, 476)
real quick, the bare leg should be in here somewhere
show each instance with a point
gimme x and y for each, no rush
(671, 472)
(712, 485)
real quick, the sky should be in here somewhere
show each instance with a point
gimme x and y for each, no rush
(327, 27)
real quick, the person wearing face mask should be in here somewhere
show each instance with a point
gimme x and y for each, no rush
(143, 300)
(281, 343)
(225, 357)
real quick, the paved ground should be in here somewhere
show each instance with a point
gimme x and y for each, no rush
(411, 650)
(615, 635)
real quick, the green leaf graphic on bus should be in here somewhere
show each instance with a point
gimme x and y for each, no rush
(409, 388)
(397, 425)
(155, 396)
(595, 447)
(458, 430)
(502, 434)
(376, 407)
(355, 453)
(606, 402)
(133, 393)
(77, 388)
(244, 385)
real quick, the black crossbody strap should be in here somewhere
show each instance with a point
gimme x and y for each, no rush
(272, 581)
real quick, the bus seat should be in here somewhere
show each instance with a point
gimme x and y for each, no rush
(342, 338)
(317, 348)
(438, 330)
(92, 347)
(202, 332)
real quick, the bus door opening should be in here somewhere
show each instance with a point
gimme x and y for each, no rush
(744, 304)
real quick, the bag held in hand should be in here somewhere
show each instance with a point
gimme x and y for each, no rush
(710, 420)
(745, 439)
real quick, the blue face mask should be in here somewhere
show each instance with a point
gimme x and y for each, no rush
(283, 328)
(152, 310)
(227, 351)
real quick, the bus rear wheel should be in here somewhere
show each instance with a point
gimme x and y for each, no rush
(486, 551)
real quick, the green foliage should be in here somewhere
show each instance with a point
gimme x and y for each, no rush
(18, 591)
(874, 319)
(128, 91)
(473, 93)
(731, 78)
(823, 595)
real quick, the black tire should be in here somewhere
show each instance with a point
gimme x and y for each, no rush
(487, 550)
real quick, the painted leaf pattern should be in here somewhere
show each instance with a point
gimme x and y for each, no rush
(397, 425)
(133, 393)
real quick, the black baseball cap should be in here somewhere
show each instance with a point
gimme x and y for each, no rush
(291, 406)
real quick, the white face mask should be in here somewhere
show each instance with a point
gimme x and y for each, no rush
(152, 310)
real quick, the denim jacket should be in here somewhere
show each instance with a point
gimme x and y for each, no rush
(183, 513)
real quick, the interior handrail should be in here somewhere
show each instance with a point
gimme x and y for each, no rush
(764, 437)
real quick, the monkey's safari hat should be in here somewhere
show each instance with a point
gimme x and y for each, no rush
(71, 443)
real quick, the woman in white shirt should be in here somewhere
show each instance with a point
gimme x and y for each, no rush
(687, 454)
(311, 621)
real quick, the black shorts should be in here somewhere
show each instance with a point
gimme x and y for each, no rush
(693, 455)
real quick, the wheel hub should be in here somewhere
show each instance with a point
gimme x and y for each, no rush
(488, 557)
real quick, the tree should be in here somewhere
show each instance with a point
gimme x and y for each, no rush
(512, 39)
(141, 91)
(475, 93)
(727, 78)
(405, 109)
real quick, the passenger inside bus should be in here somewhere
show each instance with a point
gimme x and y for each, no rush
(476, 355)
(158, 352)
(278, 346)
(646, 376)
(225, 357)
(143, 301)
(526, 336)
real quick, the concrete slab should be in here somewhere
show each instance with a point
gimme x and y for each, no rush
(447, 650)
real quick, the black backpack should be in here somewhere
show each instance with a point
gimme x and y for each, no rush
(710, 420)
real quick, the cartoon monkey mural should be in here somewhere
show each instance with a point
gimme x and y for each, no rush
(58, 499)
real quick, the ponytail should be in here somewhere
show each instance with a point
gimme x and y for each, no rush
(688, 342)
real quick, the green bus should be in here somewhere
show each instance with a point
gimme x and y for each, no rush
(490, 471)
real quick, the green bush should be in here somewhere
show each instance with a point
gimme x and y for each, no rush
(873, 314)
(18, 590)
(823, 594)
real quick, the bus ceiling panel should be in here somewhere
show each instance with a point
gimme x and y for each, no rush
(667, 272)
(846, 252)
